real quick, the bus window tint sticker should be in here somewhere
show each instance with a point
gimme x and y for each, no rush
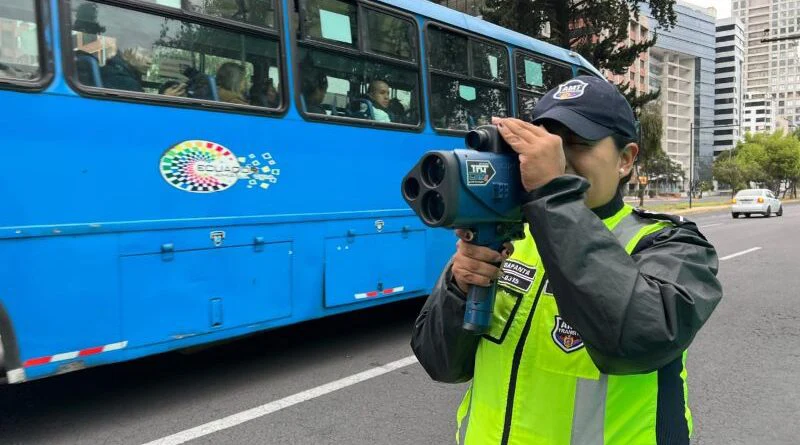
(467, 92)
(335, 26)
(533, 73)
(170, 3)
(493, 65)
(207, 167)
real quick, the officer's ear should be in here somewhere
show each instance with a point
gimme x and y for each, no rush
(627, 157)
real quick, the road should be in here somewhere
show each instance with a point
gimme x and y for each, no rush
(306, 384)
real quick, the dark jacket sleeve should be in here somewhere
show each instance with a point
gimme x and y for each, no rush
(635, 313)
(443, 348)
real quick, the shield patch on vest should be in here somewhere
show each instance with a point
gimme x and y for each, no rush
(565, 336)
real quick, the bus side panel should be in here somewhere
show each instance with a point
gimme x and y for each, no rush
(121, 291)
(361, 267)
(61, 293)
(172, 295)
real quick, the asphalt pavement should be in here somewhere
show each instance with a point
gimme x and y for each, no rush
(349, 379)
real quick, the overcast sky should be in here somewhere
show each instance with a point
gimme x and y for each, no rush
(723, 6)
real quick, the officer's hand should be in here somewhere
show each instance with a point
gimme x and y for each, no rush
(541, 156)
(475, 264)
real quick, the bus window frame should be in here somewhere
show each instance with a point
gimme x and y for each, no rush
(43, 16)
(538, 57)
(71, 73)
(509, 85)
(298, 42)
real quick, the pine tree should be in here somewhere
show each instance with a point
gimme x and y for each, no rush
(595, 29)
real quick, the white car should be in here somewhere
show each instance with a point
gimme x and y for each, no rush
(761, 201)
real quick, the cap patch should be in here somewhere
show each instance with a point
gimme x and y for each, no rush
(570, 90)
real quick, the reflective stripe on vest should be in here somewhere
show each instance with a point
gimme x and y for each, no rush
(587, 415)
(532, 363)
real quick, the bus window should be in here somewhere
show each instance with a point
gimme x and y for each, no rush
(124, 50)
(464, 95)
(391, 36)
(536, 76)
(253, 12)
(447, 51)
(19, 41)
(374, 80)
(490, 62)
(462, 105)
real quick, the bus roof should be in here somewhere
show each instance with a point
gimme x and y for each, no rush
(466, 22)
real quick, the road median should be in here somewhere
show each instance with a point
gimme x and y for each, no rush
(682, 208)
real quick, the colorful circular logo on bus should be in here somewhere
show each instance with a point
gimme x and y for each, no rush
(200, 167)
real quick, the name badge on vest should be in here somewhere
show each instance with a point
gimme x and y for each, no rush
(565, 336)
(517, 276)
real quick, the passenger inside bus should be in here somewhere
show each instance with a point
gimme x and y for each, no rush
(314, 88)
(116, 48)
(378, 94)
(126, 69)
(231, 83)
(264, 94)
(172, 88)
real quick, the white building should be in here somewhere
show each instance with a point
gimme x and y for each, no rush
(758, 113)
(772, 74)
(728, 84)
(674, 73)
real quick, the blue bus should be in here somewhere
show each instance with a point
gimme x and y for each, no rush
(212, 168)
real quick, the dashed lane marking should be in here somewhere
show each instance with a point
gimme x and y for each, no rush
(744, 252)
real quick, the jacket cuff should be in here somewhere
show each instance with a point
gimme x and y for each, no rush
(452, 286)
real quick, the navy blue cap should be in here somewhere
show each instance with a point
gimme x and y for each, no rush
(590, 107)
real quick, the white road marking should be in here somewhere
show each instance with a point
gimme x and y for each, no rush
(711, 225)
(269, 408)
(744, 252)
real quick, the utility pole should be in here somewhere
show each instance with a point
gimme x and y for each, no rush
(691, 162)
(767, 39)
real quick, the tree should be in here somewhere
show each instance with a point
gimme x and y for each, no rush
(769, 159)
(653, 161)
(782, 160)
(595, 29)
(652, 128)
(728, 171)
(750, 156)
(703, 186)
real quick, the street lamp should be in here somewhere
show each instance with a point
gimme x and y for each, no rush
(691, 152)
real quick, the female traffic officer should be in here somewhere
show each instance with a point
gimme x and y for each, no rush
(594, 309)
